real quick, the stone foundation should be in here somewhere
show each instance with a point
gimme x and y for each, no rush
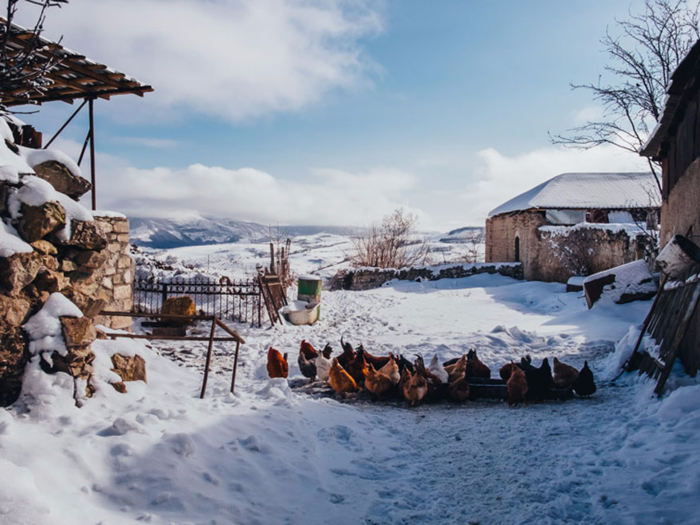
(115, 277)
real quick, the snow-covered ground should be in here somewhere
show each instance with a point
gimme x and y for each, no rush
(272, 454)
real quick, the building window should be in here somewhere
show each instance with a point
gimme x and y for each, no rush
(517, 249)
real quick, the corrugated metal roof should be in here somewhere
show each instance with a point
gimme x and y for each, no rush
(587, 190)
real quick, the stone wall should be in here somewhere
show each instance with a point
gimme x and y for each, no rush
(554, 256)
(115, 277)
(369, 278)
(680, 214)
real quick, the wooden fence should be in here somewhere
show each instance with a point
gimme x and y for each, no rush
(240, 301)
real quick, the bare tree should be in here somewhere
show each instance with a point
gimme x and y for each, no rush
(643, 52)
(23, 69)
(391, 244)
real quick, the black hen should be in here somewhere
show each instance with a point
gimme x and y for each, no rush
(584, 384)
(539, 380)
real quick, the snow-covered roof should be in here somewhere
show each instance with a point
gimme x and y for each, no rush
(587, 190)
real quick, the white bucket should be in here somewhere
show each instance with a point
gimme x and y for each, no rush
(677, 257)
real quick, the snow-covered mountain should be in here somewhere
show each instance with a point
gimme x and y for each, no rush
(174, 233)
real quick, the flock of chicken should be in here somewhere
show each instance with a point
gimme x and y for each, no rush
(384, 376)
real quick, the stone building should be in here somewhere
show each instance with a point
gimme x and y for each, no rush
(676, 144)
(574, 224)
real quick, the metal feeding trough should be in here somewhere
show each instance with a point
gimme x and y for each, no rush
(307, 308)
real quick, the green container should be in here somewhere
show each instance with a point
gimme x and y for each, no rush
(309, 289)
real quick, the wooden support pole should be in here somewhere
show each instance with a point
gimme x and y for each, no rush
(209, 351)
(91, 102)
(235, 367)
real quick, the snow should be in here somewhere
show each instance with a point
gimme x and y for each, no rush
(10, 241)
(632, 229)
(274, 453)
(44, 327)
(108, 214)
(631, 278)
(587, 190)
(36, 192)
(35, 157)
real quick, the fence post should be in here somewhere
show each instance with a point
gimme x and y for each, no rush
(164, 294)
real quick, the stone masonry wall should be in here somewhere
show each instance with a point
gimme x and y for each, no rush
(369, 278)
(115, 277)
(546, 256)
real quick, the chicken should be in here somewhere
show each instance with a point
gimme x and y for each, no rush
(539, 380)
(357, 368)
(277, 365)
(327, 351)
(505, 371)
(323, 367)
(438, 370)
(584, 384)
(348, 354)
(517, 386)
(308, 350)
(377, 362)
(307, 360)
(459, 389)
(457, 370)
(564, 375)
(405, 363)
(475, 368)
(391, 370)
(414, 387)
(340, 380)
(435, 384)
(376, 382)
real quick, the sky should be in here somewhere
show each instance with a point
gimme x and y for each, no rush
(335, 112)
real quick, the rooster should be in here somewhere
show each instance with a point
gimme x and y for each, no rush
(564, 375)
(435, 384)
(327, 351)
(377, 362)
(307, 360)
(323, 367)
(475, 368)
(348, 354)
(517, 386)
(584, 384)
(340, 380)
(277, 365)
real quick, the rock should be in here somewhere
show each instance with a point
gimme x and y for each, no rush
(78, 332)
(50, 281)
(62, 179)
(18, 270)
(87, 235)
(76, 364)
(183, 305)
(37, 222)
(4, 192)
(90, 260)
(13, 310)
(129, 368)
(119, 387)
(68, 266)
(44, 247)
(13, 359)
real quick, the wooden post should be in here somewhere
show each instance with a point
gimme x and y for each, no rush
(209, 350)
(92, 153)
(164, 295)
(235, 366)
(272, 257)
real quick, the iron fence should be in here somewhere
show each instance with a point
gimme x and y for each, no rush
(235, 300)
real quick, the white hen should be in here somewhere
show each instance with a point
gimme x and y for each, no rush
(323, 367)
(438, 370)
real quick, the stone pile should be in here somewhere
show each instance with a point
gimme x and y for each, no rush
(50, 244)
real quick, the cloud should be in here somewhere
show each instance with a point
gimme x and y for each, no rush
(147, 142)
(497, 177)
(235, 59)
